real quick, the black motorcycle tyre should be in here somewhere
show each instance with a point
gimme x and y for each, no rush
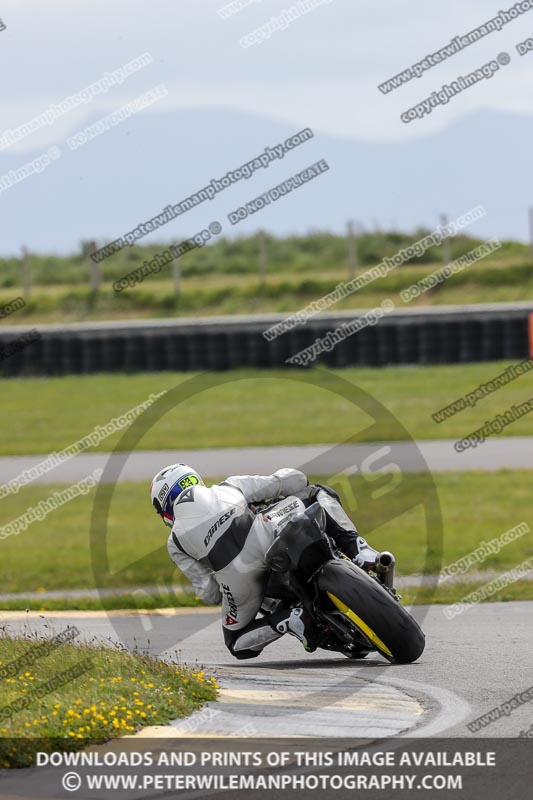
(370, 608)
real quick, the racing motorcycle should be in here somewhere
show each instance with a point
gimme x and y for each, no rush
(356, 612)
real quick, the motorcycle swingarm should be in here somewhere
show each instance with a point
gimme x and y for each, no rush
(344, 629)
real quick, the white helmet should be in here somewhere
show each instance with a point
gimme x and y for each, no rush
(168, 485)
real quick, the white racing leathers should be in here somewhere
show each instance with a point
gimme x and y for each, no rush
(219, 543)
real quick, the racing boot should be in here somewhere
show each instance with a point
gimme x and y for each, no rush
(366, 555)
(297, 622)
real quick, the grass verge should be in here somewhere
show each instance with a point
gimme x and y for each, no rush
(143, 600)
(455, 592)
(272, 407)
(115, 693)
(447, 593)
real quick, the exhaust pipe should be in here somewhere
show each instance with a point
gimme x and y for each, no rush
(385, 562)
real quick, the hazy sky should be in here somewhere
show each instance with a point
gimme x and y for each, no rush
(321, 71)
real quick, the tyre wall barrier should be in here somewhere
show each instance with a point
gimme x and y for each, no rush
(433, 337)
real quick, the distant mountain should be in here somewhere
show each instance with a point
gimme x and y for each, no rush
(130, 173)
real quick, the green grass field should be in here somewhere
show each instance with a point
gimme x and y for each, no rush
(254, 407)
(315, 253)
(475, 507)
(222, 277)
(491, 280)
(115, 693)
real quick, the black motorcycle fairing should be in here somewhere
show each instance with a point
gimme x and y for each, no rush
(302, 545)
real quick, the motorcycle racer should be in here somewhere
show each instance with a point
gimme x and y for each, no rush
(220, 535)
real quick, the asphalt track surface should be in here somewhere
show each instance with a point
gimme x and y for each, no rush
(439, 456)
(472, 664)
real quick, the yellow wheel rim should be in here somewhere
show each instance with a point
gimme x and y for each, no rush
(374, 638)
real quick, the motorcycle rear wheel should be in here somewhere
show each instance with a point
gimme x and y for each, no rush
(372, 611)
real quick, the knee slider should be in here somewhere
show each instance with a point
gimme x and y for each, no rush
(243, 654)
(230, 640)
